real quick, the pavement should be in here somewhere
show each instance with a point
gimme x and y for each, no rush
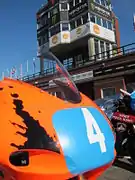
(123, 169)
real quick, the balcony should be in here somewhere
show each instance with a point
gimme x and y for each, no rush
(94, 62)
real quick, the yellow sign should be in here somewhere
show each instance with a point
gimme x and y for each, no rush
(96, 29)
(65, 36)
(78, 31)
(54, 39)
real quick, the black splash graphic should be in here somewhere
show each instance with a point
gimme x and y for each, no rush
(1, 89)
(14, 95)
(10, 86)
(37, 137)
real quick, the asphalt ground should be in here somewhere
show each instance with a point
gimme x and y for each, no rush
(122, 169)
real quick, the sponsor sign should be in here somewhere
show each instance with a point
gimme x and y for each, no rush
(80, 32)
(78, 9)
(100, 10)
(102, 32)
(62, 37)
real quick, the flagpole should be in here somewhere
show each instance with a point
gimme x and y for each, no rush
(21, 72)
(11, 73)
(8, 72)
(34, 65)
(27, 67)
(3, 75)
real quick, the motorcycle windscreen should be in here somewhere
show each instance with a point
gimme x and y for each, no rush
(62, 80)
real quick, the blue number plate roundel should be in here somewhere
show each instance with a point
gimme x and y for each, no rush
(85, 137)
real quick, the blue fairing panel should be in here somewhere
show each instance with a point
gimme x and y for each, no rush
(85, 137)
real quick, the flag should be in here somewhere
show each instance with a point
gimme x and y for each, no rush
(13, 70)
(134, 22)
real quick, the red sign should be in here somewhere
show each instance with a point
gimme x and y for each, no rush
(123, 118)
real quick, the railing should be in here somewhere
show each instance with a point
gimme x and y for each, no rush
(116, 52)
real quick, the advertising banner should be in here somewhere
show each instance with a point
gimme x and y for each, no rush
(102, 32)
(60, 38)
(80, 32)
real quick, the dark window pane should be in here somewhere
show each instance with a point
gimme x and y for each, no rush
(108, 92)
(104, 23)
(96, 48)
(71, 4)
(102, 49)
(107, 47)
(39, 42)
(110, 25)
(55, 30)
(64, 16)
(85, 18)
(72, 25)
(65, 27)
(97, 1)
(99, 21)
(64, 6)
(76, 2)
(79, 22)
(92, 18)
(103, 2)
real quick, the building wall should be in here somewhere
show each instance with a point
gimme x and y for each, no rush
(115, 83)
(117, 32)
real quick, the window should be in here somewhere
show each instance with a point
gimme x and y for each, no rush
(68, 63)
(64, 16)
(110, 25)
(106, 92)
(85, 18)
(98, 20)
(104, 23)
(63, 6)
(55, 30)
(45, 38)
(102, 49)
(103, 2)
(39, 42)
(92, 18)
(65, 27)
(78, 59)
(54, 11)
(71, 4)
(97, 1)
(79, 22)
(107, 47)
(76, 2)
(96, 47)
(108, 50)
(72, 25)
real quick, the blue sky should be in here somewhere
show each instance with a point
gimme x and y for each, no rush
(18, 30)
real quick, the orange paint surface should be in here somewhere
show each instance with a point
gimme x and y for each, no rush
(26, 115)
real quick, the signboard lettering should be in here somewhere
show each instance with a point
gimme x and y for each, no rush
(100, 10)
(77, 10)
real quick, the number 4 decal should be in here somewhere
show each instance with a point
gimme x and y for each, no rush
(91, 126)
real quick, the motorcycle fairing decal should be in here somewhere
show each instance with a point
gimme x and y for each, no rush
(34, 135)
(86, 138)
